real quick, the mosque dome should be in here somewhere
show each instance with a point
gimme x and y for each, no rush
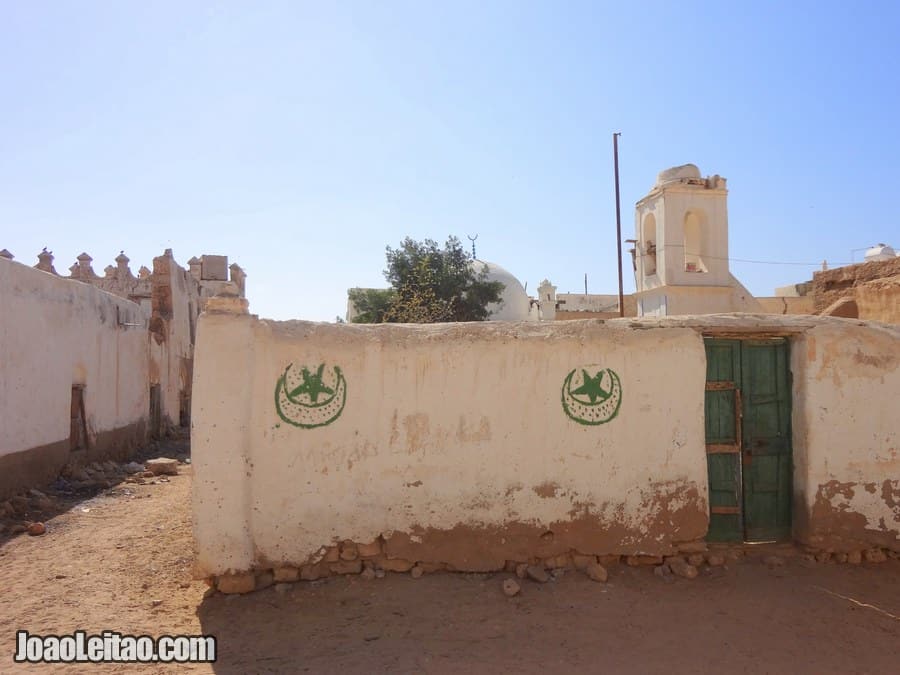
(880, 252)
(515, 304)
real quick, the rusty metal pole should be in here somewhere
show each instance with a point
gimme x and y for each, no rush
(618, 222)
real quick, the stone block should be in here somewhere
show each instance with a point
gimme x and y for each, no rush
(162, 465)
(214, 268)
(369, 550)
(283, 574)
(638, 560)
(582, 561)
(597, 572)
(395, 565)
(242, 582)
(346, 567)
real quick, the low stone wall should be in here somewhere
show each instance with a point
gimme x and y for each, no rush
(464, 445)
(322, 449)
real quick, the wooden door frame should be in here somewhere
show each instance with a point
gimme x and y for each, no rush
(742, 336)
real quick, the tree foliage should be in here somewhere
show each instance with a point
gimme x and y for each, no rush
(429, 284)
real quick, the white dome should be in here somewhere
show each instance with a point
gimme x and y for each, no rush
(515, 306)
(880, 252)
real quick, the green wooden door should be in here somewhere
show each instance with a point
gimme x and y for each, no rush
(748, 439)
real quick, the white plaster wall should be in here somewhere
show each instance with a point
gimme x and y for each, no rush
(57, 332)
(443, 425)
(847, 428)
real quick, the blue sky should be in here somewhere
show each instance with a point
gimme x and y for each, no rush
(301, 138)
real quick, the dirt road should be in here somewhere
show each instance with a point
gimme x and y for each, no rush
(122, 561)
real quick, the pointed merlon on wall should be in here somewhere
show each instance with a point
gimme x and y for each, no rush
(45, 261)
(6, 254)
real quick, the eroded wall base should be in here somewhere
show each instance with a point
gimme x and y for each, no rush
(38, 466)
(836, 521)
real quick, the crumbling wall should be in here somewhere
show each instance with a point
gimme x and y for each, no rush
(172, 324)
(56, 334)
(874, 285)
(460, 446)
(847, 436)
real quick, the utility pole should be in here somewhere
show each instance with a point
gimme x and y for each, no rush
(618, 222)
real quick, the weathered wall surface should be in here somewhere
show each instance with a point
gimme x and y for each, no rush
(782, 304)
(56, 333)
(470, 445)
(847, 436)
(453, 444)
(874, 285)
(172, 324)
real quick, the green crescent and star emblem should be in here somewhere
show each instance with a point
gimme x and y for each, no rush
(310, 398)
(592, 399)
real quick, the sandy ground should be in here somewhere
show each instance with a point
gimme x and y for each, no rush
(122, 561)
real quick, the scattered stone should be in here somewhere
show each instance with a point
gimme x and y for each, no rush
(715, 559)
(894, 555)
(242, 582)
(582, 561)
(696, 559)
(369, 573)
(735, 555)
(133, 467)
(349, 551)
(522, 570)
(36, 529)
(674, 559)
(379, 574)
(286, 574)
(18, 528)
(6, 509)
(823, 557)
(638, 560)
(416, 572)
(683, 569)
(854, 557)
(663, 571)
(264, 580)
(146, 474)
(110, 467)
(511, 587)
(596, 572)
(537, 573)
(44, 504)
(808, 560)
(773, 561)
(281, 589)
(19, 503)
(347, 567)
(155, 603)
(875, 555)
(840, 558)
(37, 493)
(396, 565)
(162, 465)
(369, 550)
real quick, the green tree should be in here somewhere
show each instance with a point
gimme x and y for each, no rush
(429, 284)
